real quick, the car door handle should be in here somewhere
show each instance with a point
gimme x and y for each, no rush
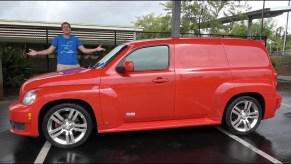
(160, 80)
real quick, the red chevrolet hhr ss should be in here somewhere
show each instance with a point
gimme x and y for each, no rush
(152, 84)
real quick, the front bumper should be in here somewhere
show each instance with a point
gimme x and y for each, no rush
(21, 122)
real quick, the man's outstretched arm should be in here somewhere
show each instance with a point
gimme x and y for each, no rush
(43, 52)
(90, 50)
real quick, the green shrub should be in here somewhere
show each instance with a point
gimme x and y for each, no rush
(15, 67)
(273, 63)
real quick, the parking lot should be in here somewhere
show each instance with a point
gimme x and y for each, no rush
(270, 143)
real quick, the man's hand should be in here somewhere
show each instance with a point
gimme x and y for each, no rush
(90, 50)
(31, 52)
(99, 48)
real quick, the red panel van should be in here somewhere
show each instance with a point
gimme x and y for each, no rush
(152, 84)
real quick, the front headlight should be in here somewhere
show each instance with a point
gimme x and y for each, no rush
(29, 98)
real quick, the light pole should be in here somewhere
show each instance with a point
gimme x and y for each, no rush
(200, 17)
(176, 12)
(262, 21)
(285, 33)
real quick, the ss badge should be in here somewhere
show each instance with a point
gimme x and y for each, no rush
(130, 114)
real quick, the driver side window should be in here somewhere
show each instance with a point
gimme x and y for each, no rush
(150, 58)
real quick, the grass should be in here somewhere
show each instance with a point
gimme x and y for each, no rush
(282, 64)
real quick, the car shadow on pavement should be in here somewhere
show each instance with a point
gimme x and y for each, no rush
(194, 144)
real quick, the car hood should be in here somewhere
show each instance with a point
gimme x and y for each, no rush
(75, 76)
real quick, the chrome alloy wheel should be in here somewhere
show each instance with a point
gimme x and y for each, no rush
(67, 126)
(244, 116)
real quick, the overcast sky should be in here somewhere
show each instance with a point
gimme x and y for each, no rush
(280, 20)
(121, 13)
(89, 12)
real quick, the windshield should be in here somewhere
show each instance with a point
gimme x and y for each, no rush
(110, 56)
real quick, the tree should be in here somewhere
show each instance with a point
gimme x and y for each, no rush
(151, 23)
(280, 31)
(193, 13)
(196, 12)
(241, 28)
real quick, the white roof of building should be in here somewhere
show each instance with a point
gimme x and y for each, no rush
(74, 25)
(20, 31)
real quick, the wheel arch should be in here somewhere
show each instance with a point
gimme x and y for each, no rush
(254, 95)
(49, 105)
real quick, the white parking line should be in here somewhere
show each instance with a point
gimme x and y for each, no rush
(43, 153)
(248, 145)
(286, 105)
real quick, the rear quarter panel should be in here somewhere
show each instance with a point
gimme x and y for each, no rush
(252, 70)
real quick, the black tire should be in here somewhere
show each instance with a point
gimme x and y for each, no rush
(75, 124)
(238, 119)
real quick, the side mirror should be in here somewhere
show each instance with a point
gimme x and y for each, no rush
(126, 67)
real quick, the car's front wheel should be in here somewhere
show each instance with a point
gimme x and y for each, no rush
(67, 125)
(243, 115)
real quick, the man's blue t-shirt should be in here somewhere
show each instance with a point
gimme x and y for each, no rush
(67, 49)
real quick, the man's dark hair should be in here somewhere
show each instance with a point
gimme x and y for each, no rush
(65, 23)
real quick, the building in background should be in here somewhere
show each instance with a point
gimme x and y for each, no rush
(38, 35)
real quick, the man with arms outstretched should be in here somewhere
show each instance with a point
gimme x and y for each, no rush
(66, 46)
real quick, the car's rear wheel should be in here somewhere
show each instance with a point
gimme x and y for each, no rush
(243, 115)
(67, 125)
